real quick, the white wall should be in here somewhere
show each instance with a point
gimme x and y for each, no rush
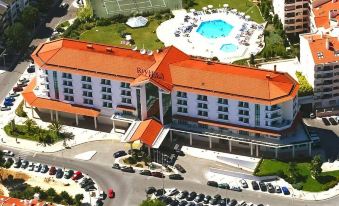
(306, 60)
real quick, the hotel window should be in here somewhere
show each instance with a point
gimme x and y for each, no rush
(67, 75)
(182, 102)
(222, 109)
(88, 101)
(86, 79)
(223, 116)
(182, 94)
(244, 120)
(106, 89)
(257, 115)
(107, 104)
(243, 104)
(68, 91)
(126, 101)
(125, 93)
(182, 109)
(69, 98)
(46, 72)
(202, 97)
(47, 86)
(243, 112)
(107, 97)
(202, 113)
(105, 81)
(202, 106)
(67, 83)
(222, 101)
(56, 87)
(125, 85)
(87, 94)
(86, 86)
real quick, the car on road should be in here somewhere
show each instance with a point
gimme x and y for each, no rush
(277, 189)
(17, 163)
(5, 108)
(90, 187)
(325, 121)
(31, 166)
(183, 203)
(159, 192)
(37, 167)
(17, 89)
(263, 186)
(212, 183)
(145, 172)
(68, 174)
(150, 190)
(7, 153)
(52, 171)
(180, 168)
(76, 175)
(127, 169)
(243, 183)
(285, 190)
(116, 166)
(8, 103)
(10, 99)
(13, 94)
(120, 153)
(255, 185)
(21, 84)
(175, 177)
(99, 202)
(24, 164)
(86, 182)
(44, 169)
(111, 193)
(31, 68)
(233, 202)
(59, 173)
(270, 188)
(333, 121)
(224, 186)
(158, 174)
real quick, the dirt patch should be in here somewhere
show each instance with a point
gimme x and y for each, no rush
(5, 173)
(3, 191)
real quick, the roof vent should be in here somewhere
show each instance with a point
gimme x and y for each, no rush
(90, 46)
(209, 62)
(268, 76)
(109, 49)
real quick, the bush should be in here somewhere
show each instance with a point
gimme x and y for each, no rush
(139, 165)
(103, 22)
(60, 29)
(305, 87)
(20, 110)
(298, 186)
(130, 160)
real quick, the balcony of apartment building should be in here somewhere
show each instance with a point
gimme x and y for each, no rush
(279, 123)
(289, 8)
(272, 109)
(326, 69)
(273, 116)
(323, 83)
(321, 96)
(324, 76)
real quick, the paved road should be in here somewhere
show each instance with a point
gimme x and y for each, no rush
(57, 15)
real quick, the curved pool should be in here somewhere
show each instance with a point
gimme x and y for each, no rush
(228, 48)
(214, 29)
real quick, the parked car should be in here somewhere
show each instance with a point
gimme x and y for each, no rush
(59, 173)
(44, 169)
(23, 80)
(10, 99)
(270, 188)
(255, 185)
(127, 169)
(183, 203)
(262, 186)
(68, 174)
(116, 166)
(21, 84)
(145, 172)
(102, 195)
(285, 190)
(120, 153)
(158, 174)
(173, 192)
(13, 94)
(182, 194)
(159, 192)
(236, 188)
(325, 121)
(37, 167)
(174, 203)
(7, 153)
(207, 199)
(150, 190)
(212, 183)
(86, 183)
(180, 168)
(76, 175)
(90, 187)
(99, 202)
(17, 163)
(175, 177)
(52, 171)
(277, 189)
(5, 108)
(24, 164)
(199, 198)
(31, 166)
(233, 202)
(333, 121)
(111, 193)
(224, 186)
(8, 103)
(191, 196)
(243, 183)
(31, 68)
(17, 89)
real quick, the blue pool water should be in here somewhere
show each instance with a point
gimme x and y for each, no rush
(228, 48)
(214, 29)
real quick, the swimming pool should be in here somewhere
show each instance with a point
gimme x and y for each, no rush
(214, 29)
(228, 47)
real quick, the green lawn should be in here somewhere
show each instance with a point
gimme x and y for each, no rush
(241, 5)
(325, 181)
(143, 37)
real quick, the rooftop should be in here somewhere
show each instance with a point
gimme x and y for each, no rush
(169, 69)
(321, 10)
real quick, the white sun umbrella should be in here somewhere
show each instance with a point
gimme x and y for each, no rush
(210, 6)
(204, 8)
(128, 37)
(242, 13)
(138, 21)
(192, 10)
(247, 17)
(225, 5)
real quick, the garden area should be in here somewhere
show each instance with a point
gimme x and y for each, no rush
(30, 131)
(306, 176)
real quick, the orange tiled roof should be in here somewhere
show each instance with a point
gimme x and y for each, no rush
(147, 132)
(126, 108)
(321, 12)
(33, 100)
(170, 70)
(10, 201)
(318, 48)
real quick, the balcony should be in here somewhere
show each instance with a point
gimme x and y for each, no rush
(272, 108)
(273, 116)
(280, 124)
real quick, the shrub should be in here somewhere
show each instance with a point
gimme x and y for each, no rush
(20, 110)
(103, 22)
(305, 87)
(60, 29)
(130, 160)
(298, 186)
(139, 165)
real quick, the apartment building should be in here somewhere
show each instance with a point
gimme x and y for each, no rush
(168, 94)
(324, 16)
(319, 58)
(294, 15)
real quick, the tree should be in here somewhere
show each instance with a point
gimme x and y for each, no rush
(252, 61)
(275, 20)
(152, 203)
(29, 16)
(44, 5)
(316, 166)
(78, 198)
(30, 125)
(66, 136)
(85, 13)
(56, 127)
(13, 125)
(51, 192)
(292, 169)
(41, 136)
(16, 37)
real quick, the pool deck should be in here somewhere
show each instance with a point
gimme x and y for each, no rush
(193, 43)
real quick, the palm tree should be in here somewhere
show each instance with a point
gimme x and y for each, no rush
(41, 136)
(13, 125)
(56, 127)
(67, 136)
(30, 124)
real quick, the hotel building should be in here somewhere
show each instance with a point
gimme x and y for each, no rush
(168, 95)
(294, 15)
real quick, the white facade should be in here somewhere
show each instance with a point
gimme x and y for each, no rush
(14, 8)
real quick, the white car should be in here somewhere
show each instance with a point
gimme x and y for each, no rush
(31, 166)
(243, 183)
(8, 153)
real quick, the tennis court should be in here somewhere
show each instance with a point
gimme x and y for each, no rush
(106, 8)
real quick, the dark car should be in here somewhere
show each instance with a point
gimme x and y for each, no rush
(233, 202)
(224, 186)
(285, 190)
(99, 202)
(59, 173)
(127, 169)
(326, 122)
(8, 103)
(180, 168)
(214, 201)
(157, 174)
(173, 192)
(116, 166)
(17, 163)
(44, 169)
(21, 84)
(191, 196)
(207, 199)
(17, 89)
(255, 185)
(270, 188)
(120, 153)
(183, 203)
(5, 108)
(176, 177)
(68, 174)
(212, 183)
(263, 186)
(200, 197)
(174, 203)
(183, 194)
(90, 187)
(145, 172)
(24, 164)
(223, 202)
(10, 99)
(150, 190)
(52, 171)
(333, 121)
(159, 192)
(167, 200)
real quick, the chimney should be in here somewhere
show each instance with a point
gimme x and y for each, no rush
(275, 68)
(327, 44)
(321, 34)
(268, 76)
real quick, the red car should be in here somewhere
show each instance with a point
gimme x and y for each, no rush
(17, 89)
(111, 193)
(158, 174)
(52, 171)
(77, 175)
